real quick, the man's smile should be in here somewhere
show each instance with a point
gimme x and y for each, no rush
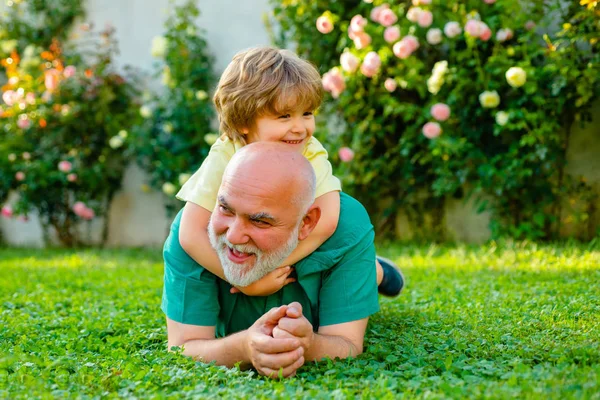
(237, 257)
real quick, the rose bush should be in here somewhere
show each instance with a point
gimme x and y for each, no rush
(174, 136)
(449, 98)
(62, 110)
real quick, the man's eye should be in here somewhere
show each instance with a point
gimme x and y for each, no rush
(224, 210)
(260, 222)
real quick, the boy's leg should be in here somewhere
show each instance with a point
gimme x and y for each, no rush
(390, 280)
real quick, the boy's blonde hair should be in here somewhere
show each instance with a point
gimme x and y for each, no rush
(261, 81)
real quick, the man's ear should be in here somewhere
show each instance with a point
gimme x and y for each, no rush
(309, 221)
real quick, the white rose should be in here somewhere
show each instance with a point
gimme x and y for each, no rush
(516, 77)
(452, 29)
(501, 118)
(115, 142)
(489, 99)
(201, 95)
(211, 138)
(434, 36)
(123, 133)
(167, 127)
(12, 157)
(169, 189)
(145, 111)
(159, 46)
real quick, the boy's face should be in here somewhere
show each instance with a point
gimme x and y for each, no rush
(293, 128)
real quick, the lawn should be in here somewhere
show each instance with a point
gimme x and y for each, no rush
(497, 321)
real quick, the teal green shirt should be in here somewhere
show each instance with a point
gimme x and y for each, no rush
(335, 284)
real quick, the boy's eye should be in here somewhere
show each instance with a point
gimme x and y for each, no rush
(308, 113)
(284, 116)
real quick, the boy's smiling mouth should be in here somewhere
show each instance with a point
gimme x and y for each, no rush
(293, 141)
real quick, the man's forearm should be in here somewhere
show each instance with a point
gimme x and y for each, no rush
(331, 346)
(226, 351)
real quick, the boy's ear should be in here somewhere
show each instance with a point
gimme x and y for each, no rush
(309, 221)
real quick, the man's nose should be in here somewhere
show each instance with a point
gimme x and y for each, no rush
(236, 232)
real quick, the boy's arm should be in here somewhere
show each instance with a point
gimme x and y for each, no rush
(193, 237)
(330, 213)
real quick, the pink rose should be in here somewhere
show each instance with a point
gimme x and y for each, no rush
(69, 71)
(413, 14)
(412, 42)
(452, 29)
(371, 64)
(30, 98)
(390, 85)
(349, 62)
(425, 19)
(391, 34)
(88, 214)
(79, 208)
(9, 97)
(26, 156)
(489, 1)
(324, 24)
(346, 154)
(486, 32)
(358, 23)
(361, 40)
(72, 177)
(440, 111)
(402, 49)
(7, 211)
(431, 130)
(529, 25)
(65, 166)
(23, 123)
(51, 79)
(376, 12)
(333, 82)
(387, 17)
(473, 27)
(20, 176)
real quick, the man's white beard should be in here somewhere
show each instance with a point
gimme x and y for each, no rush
(256, 267)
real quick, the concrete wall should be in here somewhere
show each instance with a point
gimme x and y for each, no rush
(138, 218)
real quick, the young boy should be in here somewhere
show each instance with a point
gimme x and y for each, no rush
(267, 94)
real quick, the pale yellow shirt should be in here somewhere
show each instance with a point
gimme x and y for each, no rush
(202, 187)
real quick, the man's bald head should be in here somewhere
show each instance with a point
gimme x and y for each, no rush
(289, 174)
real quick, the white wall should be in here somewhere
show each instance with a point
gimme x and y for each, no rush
(138, 218)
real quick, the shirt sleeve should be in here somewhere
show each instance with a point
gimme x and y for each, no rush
(202, 187)
(190, 292)
(349, 289)
(317, 155)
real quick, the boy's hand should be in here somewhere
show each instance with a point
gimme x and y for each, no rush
(269, 284)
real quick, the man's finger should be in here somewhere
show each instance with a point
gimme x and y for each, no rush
(269, 345)
(294, 310)
(272, 316)
(296, 326)
(279, 333)
(281, 360)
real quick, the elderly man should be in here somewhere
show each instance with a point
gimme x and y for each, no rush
(265, 206)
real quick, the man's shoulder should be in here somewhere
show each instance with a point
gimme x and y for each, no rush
(353, 226)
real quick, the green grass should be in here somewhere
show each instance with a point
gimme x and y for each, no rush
(513, 321)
